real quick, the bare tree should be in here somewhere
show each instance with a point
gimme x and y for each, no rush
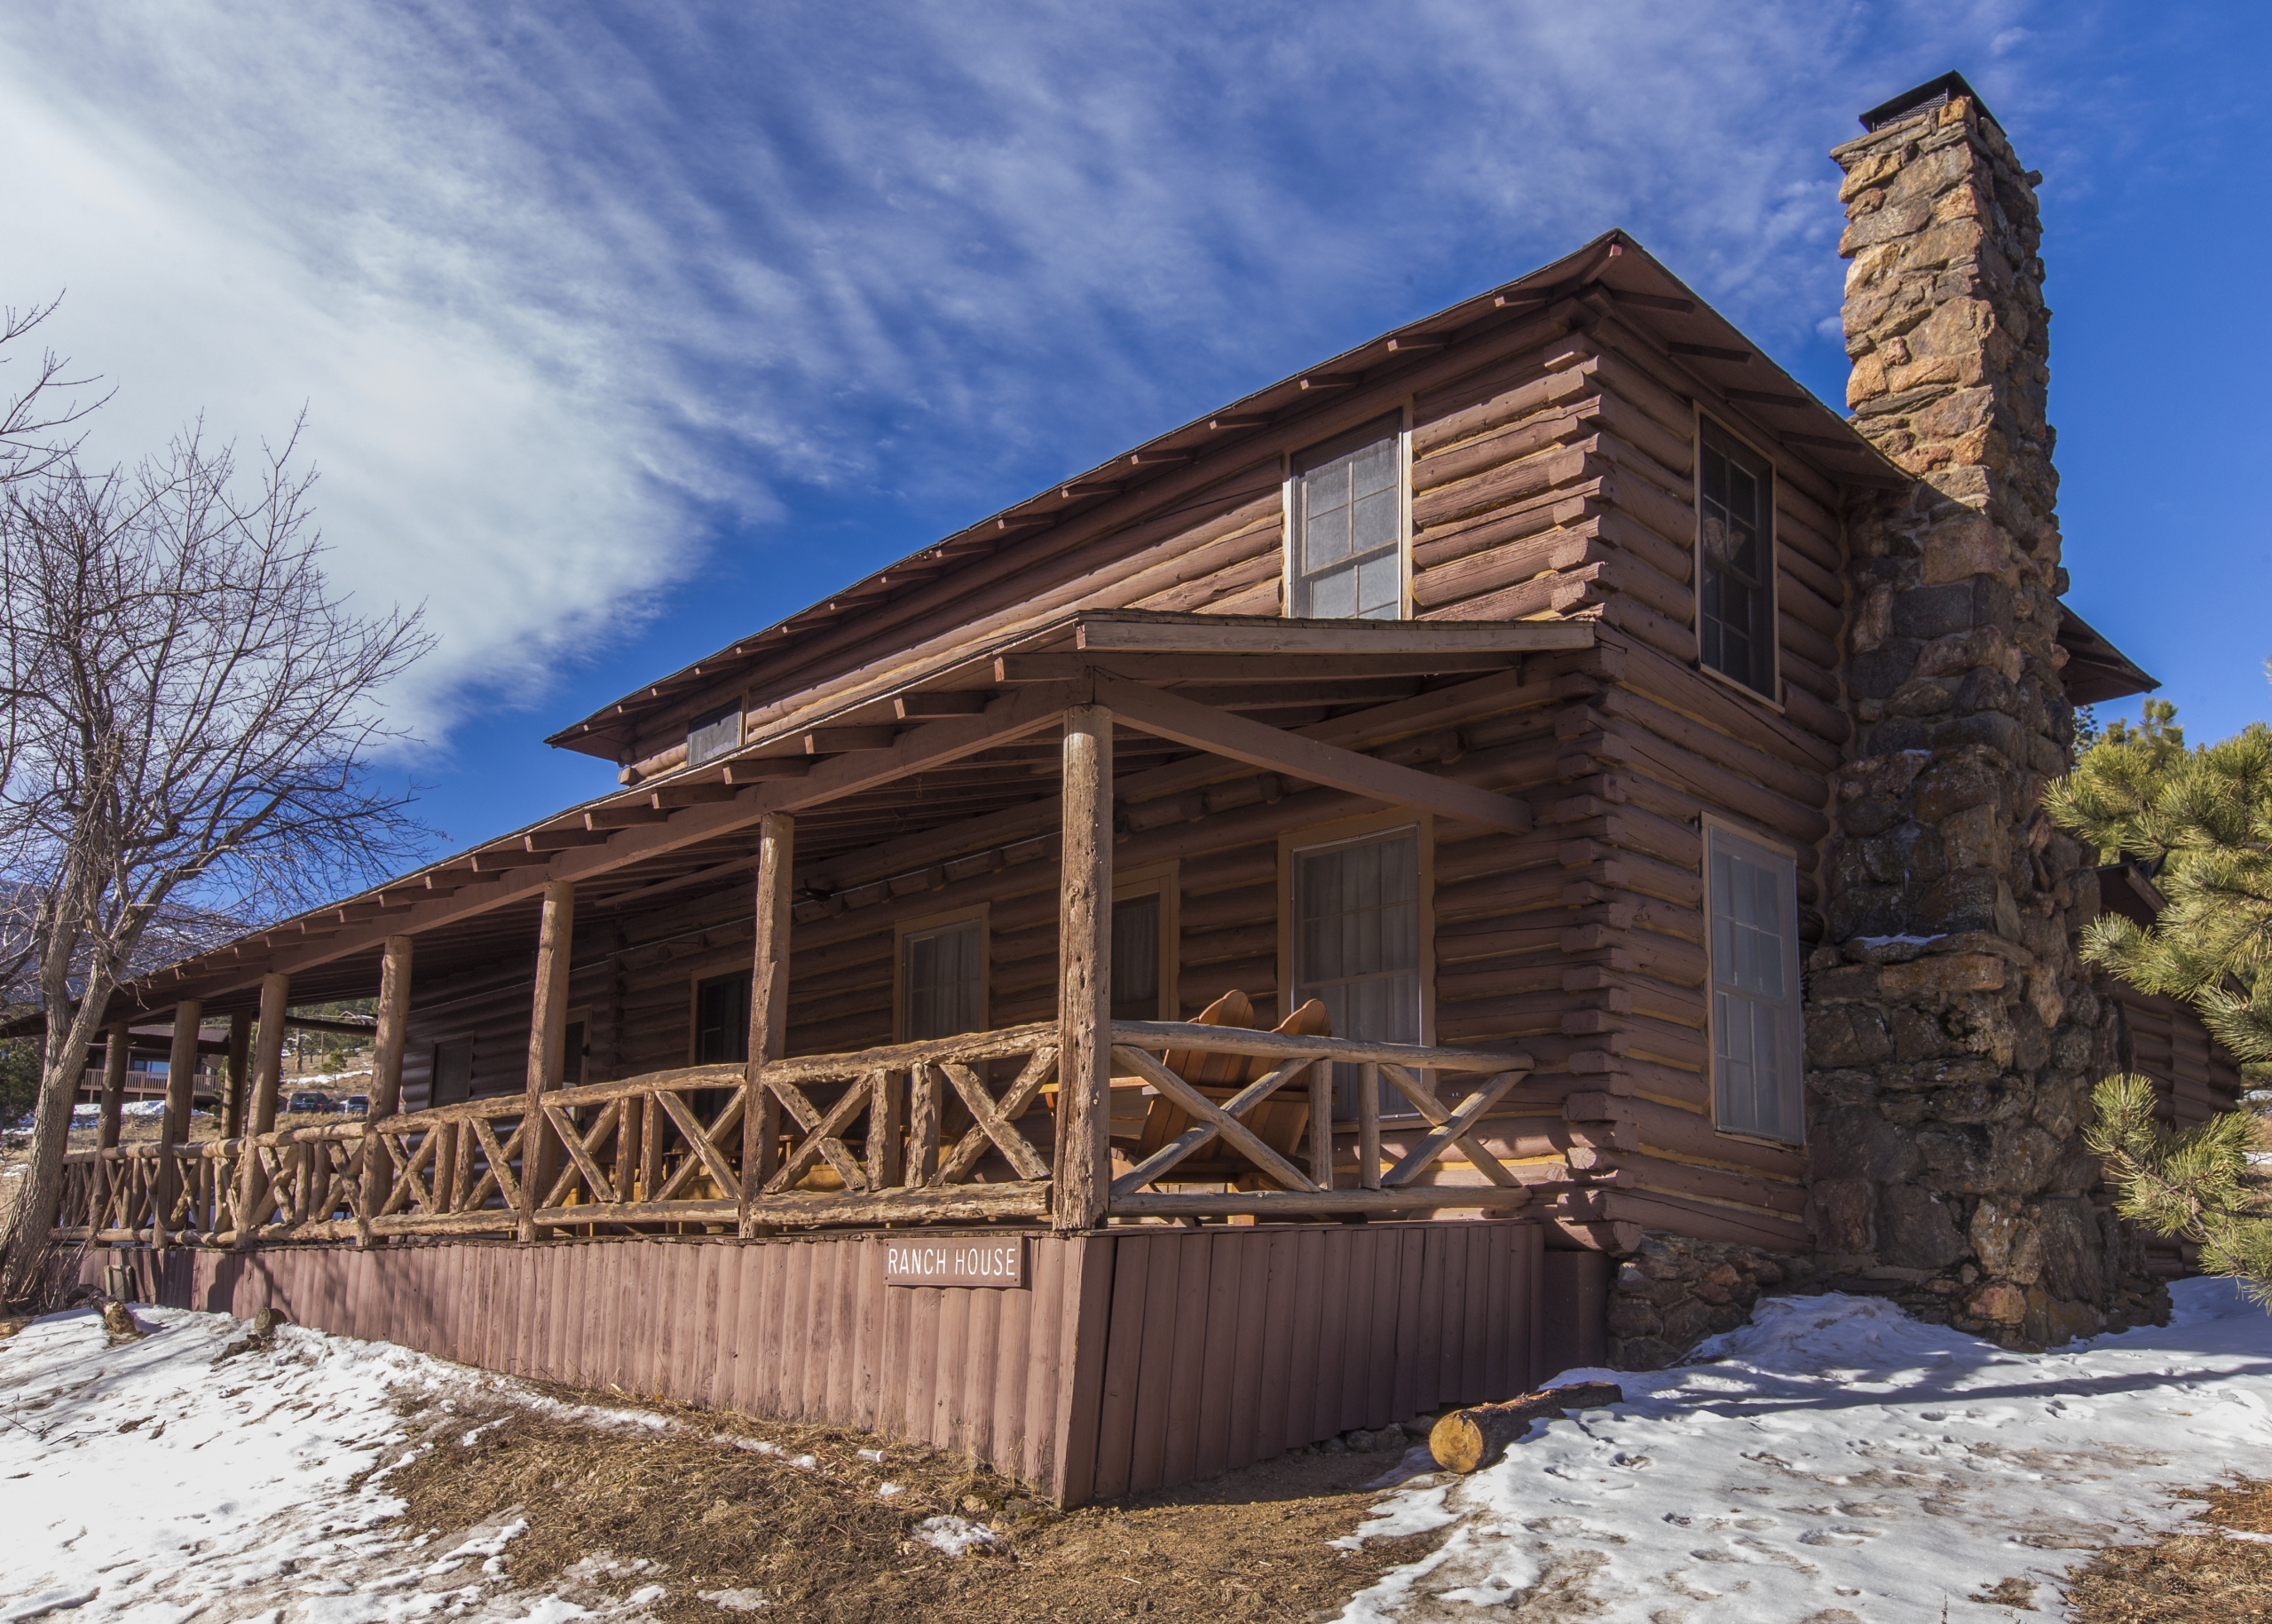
(194, 720)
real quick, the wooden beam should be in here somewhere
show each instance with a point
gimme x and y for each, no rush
(239, 1087)
(548, 1038)
(769, 1004)
(563, 839)
(1303, 668)
(1336, 637)
(1220, 733)
(386, 1070)
(117, 1043)
(624, 818)
(1083, 1160)
(921, 707)
(260, 1115)
(836, 741)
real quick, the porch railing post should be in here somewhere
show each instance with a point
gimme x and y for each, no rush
(260, 1111)
(547, 1037)
(1083, 1168)
(181, 1084)
(386, 1072)
(231, 1114)
(769, 1007)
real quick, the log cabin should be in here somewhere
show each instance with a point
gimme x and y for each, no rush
(1477, 857)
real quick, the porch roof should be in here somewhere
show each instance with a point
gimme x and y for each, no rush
(953, 763)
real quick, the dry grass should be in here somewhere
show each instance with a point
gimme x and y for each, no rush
(820, 1541)
(2187, 1577)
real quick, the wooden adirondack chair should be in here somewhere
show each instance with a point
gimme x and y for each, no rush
(1279, 1122)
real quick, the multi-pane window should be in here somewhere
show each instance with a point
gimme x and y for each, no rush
(1349, 526)
(1136, 958)
(722, 1019)
(1735, 622)
(714, 734)
(1357, 942)
(1757, 1049)
(943, 978)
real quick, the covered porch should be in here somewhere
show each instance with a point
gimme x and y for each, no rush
(1060, 744)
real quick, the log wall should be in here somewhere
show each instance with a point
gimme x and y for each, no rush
(1552, 478)
(1132, 1359)
(2166, 1040)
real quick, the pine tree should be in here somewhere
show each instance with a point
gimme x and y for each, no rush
(2199, 822)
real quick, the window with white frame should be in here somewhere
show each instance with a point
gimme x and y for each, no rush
(1735, 608)
(1356, 938)
(1348, 525)
(942, 980)
(1757, 1044)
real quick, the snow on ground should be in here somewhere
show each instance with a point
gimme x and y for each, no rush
(154, 1480)
(1836, 1461)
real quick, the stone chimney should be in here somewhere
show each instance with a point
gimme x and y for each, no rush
(1952, 1034)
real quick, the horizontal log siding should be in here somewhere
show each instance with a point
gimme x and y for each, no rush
(1557, 482)
(1133, 1361)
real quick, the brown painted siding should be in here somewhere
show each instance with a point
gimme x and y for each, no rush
(1134, 1360)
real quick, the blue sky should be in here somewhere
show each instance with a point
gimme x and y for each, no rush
(624, 330)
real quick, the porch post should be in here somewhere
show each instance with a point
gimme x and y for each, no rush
(386, 1072)
(547, 1037)
(1083, 1170)
(769, 1007)
(181, 1084)
(232, 1112)
(260, 1110)
(117, 1040)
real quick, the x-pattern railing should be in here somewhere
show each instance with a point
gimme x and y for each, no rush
(949, 1129)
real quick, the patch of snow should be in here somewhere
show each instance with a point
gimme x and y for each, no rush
(954, 1535)
(272, 1468)
(1878, 942)
(885, 1491)
(735, 1601)
(1835, 1455)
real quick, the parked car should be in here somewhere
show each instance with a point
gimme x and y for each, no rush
(307, 1100)
(354, 1105)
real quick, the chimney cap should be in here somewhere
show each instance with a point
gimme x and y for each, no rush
(1933, 93)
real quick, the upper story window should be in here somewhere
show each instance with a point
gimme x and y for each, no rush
(1735, 620)
(714, 734)
(1348, 525)
(1757, 1044)
(943, 978)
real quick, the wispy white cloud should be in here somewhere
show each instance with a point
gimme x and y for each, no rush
(564, 291)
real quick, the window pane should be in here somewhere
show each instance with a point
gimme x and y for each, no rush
(1357, 945)
(1756, 1059)
(943, 981)
(1136, 958)
(1735, 595)
(1348, 522)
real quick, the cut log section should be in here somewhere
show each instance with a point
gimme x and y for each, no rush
(1472, 1438)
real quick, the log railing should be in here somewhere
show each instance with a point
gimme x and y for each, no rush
(954, 1130)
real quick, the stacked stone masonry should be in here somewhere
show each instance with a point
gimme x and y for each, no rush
(1952, 1033)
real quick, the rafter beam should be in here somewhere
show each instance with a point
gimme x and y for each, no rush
(1220, 733)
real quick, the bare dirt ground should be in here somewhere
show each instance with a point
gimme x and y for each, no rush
(2186, 1578)
(809, 1528)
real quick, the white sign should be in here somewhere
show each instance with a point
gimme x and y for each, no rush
(961, 1260)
